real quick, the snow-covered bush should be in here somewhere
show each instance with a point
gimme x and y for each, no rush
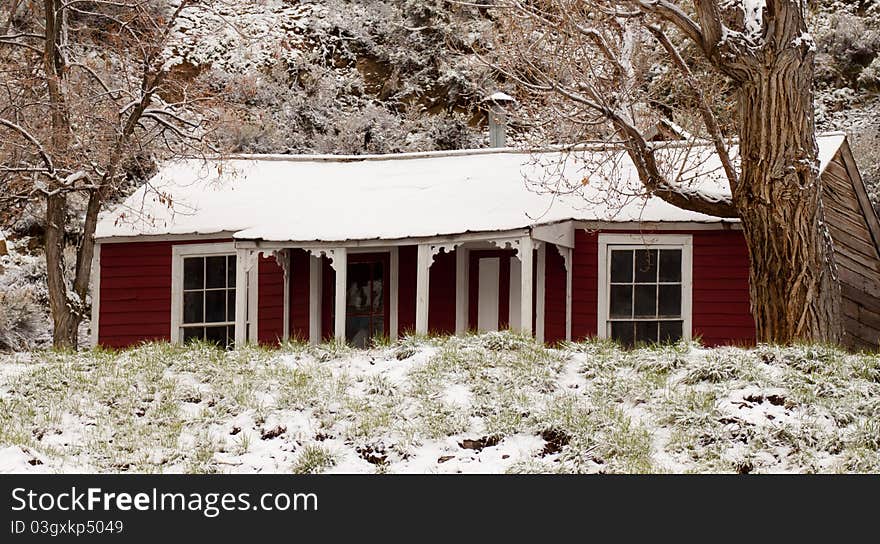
(20, 324)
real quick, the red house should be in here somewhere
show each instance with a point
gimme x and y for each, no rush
(563, 245)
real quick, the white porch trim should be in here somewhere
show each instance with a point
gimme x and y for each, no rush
(525, 304)
(316, 289)
(423, 271)
(540, 294)
(340, 265)
(282, 257)
(96, 294)
(462, 289)
(568, 289)
(393, 296)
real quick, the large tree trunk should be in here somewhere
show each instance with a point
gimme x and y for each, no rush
(793, 290)
(66, 314)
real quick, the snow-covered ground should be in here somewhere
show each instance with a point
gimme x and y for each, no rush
(491, 403)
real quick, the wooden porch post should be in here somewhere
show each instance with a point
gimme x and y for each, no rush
(423, 270)
(241, 299)
(569, 253)
(462, 287)
(526, 277)
(340, 264)
(316, 290)
(540, 291)
(394, 274)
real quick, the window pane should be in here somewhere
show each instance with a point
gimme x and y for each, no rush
(193, 333)
(621, 301)
(670, 265)
(230, 271)
(215, 306)
(646, 332)
(670, 331)
(621, 266)
(192, 307)
(230, 305)
(645, 304)
(215, 272)
(193, 273)
(357, 331)
(230, 335)
(622, 331)
(670, 301)
(646, 265)
(358, 295)
(378, 292)
(378, 326)
(216, 335)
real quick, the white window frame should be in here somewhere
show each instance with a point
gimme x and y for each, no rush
(608, 242)
(181, 251)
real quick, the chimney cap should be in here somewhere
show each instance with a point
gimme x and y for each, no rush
(500, 98)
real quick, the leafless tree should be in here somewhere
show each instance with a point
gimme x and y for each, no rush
(85, 98)
(599, 59)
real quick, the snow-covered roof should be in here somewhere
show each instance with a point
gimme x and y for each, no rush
(336, 198)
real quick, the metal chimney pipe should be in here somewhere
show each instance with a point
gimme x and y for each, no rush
(497, 112)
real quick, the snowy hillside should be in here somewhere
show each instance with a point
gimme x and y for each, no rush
(491, 403)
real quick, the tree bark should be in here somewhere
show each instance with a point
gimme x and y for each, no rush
(794, 294)
(66, 315)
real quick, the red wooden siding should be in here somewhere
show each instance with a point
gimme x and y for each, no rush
(270, 301)
(299, 294)
(554, 296)
(406, 289)
(135, 293)
(441, 294)
(584, 280)
(721, 313)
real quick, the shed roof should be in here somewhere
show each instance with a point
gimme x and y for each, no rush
(337, 198)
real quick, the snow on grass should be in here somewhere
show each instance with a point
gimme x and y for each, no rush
(481, 404)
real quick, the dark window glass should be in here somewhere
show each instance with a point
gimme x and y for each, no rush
(670, 301)
(378, 326)
(193, 333)
(646, 265)
(621, 301)
(670, 265)
(621, 266)
(645, 303)
(215, 272)
(646, 332)
(670, 331)
(622, 331)
(193, 307)
(216, 335)
(193, 273)
(215, 306)
(230, 271)
(230, 305)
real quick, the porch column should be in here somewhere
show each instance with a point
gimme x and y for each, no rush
(568, 266)
(462, 288)
(316, 290)
(340, 264)
(394, 282)
(526, 276)
(283, 259)
(540, 291)
(241, 299)
(423, 270)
